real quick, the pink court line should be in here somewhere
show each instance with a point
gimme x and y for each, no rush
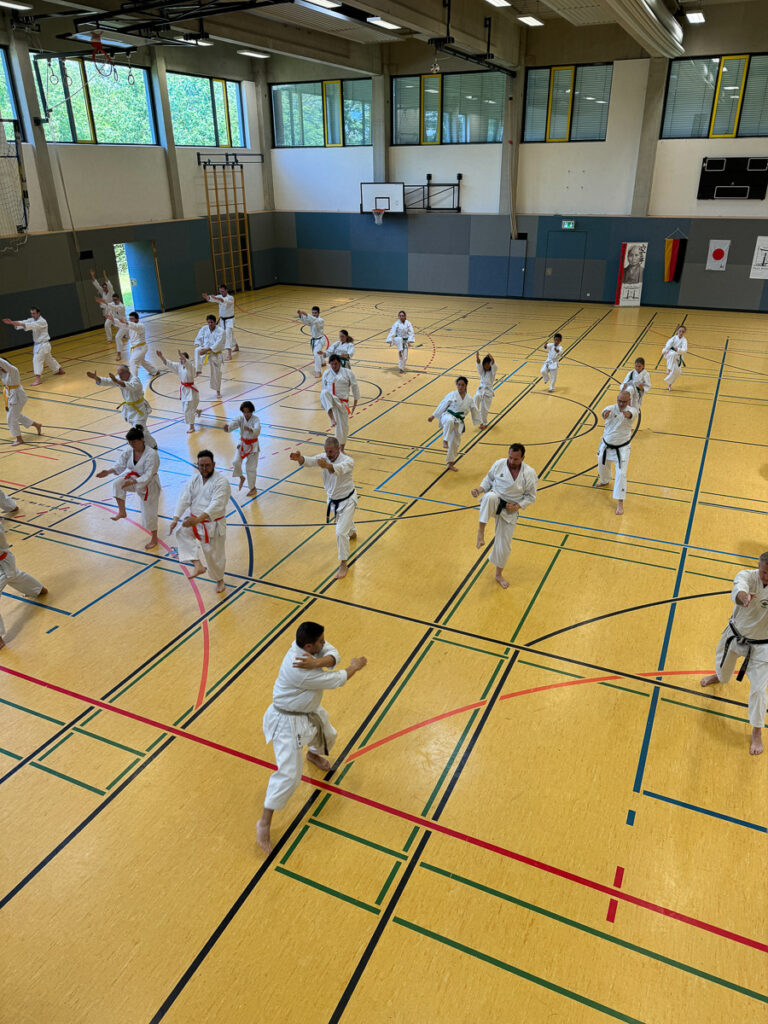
(414, 819)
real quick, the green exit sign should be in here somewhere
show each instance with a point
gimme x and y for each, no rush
(567, 225)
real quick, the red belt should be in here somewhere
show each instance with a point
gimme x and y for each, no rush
(185, 385)
(250, 441)
(344, 401)
(205, 530)
(4, 555)
(146, 493)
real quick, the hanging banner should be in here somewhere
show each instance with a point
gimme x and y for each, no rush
(629, 285)
(759, 266)
(717, 256)
(674, 257)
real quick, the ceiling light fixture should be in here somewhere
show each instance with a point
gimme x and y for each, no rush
(528, 19)
(15, 6)
(380, 23)
(107, 40)
(695, 17)
(499, 3)
(252, 53)
(329, 4)
(203, 42)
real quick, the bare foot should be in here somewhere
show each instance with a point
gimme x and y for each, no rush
(452, 467)
(756, 746)
(60, 372)
(13, 512)
(191, 430)
(120, 515)
(221, 586)
(320, 762)
(36, 381)
(16, 443)
(445, 444)
(252, 493)
(43, 592)
(483, 426)
(262, 837)
(709, 680)
(620, 508)
(38, 427)
(504, 584)
(353, 535)
(197, 570)
(198, 412)
(342, 571)
(2, 643)
(240, 485)
(151, 543)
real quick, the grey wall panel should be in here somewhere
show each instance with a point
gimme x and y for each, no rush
(593, 280)
(263, 267)
(284, 226)
(717, 290)
(326, 267)
(201, 273)
(431, 272)
(287, 265)
(389, 236)
(488, 235)
(44, 260)
(261, 230)
(438, 232)
(59, 304)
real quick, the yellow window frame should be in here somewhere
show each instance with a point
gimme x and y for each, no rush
(333, 145)
(561, 67)
(86, 97)
(729, 135)
(439, 80)
(222, 82)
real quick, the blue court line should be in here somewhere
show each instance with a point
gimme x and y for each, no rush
(416, 497)
(646, 740)
(113, 589)
(705, 810)
(630, 817)
(37, 604)
(51, 629)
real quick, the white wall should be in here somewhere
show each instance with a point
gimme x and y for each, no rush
(479, 165)
(321, 179)
(589, 177)
(676, 178)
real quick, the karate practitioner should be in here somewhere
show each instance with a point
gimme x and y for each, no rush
(41, 344)
(638, 383)
(137, 345)
(247, 451)
(114, 310)
(12, 577)
(316, 326)
(344, 348)
(202, 509)
(334, 397)
(15, 399)
(134, 406)
(342, 497)
(226, 303)
(614, 447)
(481, 403)
(295, 718)
(8, 506)
(136, 470)
(549, 367)
(746, 636)
(401, 336)
(451, 413)
(212, 346)
(105, 291)
(509, 486)
(188, 393)
(673, 352)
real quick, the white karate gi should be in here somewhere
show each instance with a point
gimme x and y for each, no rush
(451, 412)
(615, 447)
(214, 340)
(673, 352)
(41, 345)
(134, 407)
(631, 382)
(342, 498)
(15, 398)
(138, 351)
(401, 336)
(549, 366)
(7, 504)
(188, 393)
(481, 403)
(247, 451)
(114, 311)
(750, 623)
(106, 292)
(144, 482)
(227, 317)
(206, 540)
(207, 338)
(334, 397)
(344, 350)
(316, 326)
(298, 690)
(499, 485)
(10, 576)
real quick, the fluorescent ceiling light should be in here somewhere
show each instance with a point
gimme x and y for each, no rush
(695, 17)
(87, 37)
(252, 53)
(528, 19)
(380, 23)
(15, 6)
(499, 3)
(329, 4)
(202, 42)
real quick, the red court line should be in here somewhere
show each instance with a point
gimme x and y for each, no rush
(618, 878)
(414, 819)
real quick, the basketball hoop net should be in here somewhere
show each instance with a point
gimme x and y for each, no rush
(378, 215)
(100, 57)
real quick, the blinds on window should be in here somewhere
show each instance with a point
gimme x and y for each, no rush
(357, 112)
(592, 92)
(690, 94)
(406, 104)
(728, 95)
(473, 107)
(754, 109)
(560, 98)
(298, 114)
(536, 100)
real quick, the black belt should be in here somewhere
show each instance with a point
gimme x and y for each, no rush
(742, 640)
(502, 506)
(227, 317)
(615, 448)
(333, 505)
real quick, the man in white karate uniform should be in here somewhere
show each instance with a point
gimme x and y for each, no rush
(295, 719)
(637, 383)
(114, 310)
(509, 486)
(15, 399)
(41, 344)
(134, 407)
(188, 393)
(614, 447)
(673, 352)
(247, 451)
(402, 337)
(213, 352)
(105, 292)
(208, 337)
(136, 470)
(202, 509)
(137, 345)
(316, 326)
(549, 367)
(746, 636)
(337, 386)
(226, 302)
(481, 403)
(11, 576)
(452, 412)
(342, 497)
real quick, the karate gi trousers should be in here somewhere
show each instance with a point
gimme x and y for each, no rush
(621, 460)
(42, 357)
(149, 498)
(504, 528)
(10, 576)
(204, 543)
(289, 734)
(756, 672)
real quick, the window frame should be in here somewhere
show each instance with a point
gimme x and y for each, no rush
(323, 82)
(442, 75)
(12, 93)
(212, 79)
(552, 70)
(713, 112)
(559, 67)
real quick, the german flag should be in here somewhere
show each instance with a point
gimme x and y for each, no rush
(674, 257)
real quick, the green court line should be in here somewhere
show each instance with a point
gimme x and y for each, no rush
(599, 538)
(112, 743)
(159, 739)
(87, 550)
(389, 881)
(706, 711)
(493, 654)
(9, 753)
(294, 844)
(627, 689)
(449, 762)
(395, 695)
(337, 781)
(124, 772)
(251, 588)
(481, 569)
(355, 839)
(634, 493)
(328, 890)
(67, 778)
(596, 932)
(525, 975)
(410, 838)
(263, 575)
(708, 576)
(30, 711)
(542, 581)
(54, 747)
(548, 668)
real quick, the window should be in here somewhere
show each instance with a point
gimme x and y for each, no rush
(205, 111)
(333, 113)
(7, 104)
(82, 105)
(716, 98)
(448, 109)
(567, 104)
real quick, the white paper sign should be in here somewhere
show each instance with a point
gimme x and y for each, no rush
(759, 266)
(717, 257)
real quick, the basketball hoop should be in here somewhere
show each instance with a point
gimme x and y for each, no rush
(378, 215)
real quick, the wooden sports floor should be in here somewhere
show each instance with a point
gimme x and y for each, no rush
(535, 813)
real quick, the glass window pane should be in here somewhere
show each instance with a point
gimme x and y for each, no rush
(536, 99)
(691, 90)
(473, 107)
(560, 105)
(119, 103)
(332, 113)
(298, 114)
(430, 112)
(191, 110)
(754, 109)
(729, 93)
(235, 113)
(357, 112)
(589, 119)
(406, 104)
(220, 113)
(7, 109)
(53, 102)
(77, 98)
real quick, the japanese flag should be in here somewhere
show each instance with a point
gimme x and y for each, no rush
(717, 257)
